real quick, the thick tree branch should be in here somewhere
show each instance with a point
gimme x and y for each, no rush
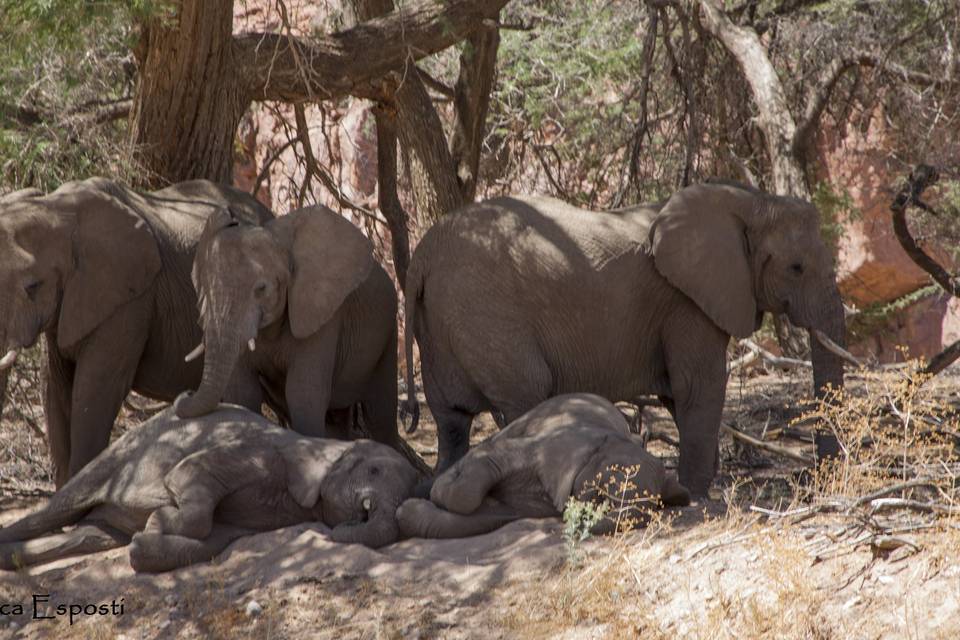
(921, 178)
(478, 67)
(389, 202)
(432, 169)
(347, 62)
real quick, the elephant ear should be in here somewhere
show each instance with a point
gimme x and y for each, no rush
(699, 245)
(115, 256)
(331, 258)
(308, 463)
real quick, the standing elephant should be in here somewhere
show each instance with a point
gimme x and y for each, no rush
(576, 445)
(515, 300)
(185, 489)
(104, 272)
(299, 313)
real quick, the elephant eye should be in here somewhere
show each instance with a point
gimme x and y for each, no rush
(797, 268)
(32, 288)
(374, 471)
(260, 289)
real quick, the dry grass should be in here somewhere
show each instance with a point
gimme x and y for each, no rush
(778, 553)
(820, 565)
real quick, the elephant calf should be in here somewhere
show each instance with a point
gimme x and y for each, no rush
(185, 489)
(571, 445)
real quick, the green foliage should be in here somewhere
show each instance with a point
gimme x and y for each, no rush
(578, 518)
(875, 317)
(836, 210)
(60, 60)
(564, 92)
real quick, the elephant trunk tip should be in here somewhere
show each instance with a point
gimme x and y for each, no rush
(191, 405)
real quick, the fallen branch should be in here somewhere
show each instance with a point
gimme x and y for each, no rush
(767, 446)
(887, 504)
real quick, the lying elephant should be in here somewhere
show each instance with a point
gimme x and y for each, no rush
(185, 489)
(571, 445)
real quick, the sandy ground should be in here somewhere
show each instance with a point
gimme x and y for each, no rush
(718, 569)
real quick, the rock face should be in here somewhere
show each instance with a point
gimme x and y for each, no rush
(873, 268)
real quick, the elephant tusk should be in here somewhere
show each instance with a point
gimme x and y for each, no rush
(836, 349)
(7, 361)
(366, 504)
(196, 353)
(252, 344)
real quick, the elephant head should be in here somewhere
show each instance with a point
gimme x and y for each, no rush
(68, 260)
(359, 491)
(738, 252)
(297, 269)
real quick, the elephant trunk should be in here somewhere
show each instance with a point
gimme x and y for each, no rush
(828, 366)
(380, 529)
(221, 355)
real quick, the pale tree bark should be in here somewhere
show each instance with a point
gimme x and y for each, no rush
(197, 78)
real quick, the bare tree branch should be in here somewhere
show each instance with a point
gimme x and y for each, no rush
(349, 62)
(315, 170)
(820, 92)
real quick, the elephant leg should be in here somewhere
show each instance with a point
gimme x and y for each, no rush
(453, 436)
(56, 406)
(420, 518)
(698, 385)
(85, 538)
(152, 552)
(379, 401)
(464, 487)
(201, 480)
(309, 385)
(103, 377)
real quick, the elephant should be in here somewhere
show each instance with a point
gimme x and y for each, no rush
(518, 299)
(186, 488)
(103, 272)
(297, 312)
(573, 445)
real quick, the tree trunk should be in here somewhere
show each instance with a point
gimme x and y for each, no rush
(197, 79)
(189, 98)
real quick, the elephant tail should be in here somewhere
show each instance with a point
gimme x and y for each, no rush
(411, 295)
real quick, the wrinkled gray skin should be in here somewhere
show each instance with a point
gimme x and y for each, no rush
(320, 310)
(575, 445)
(184, 489)
(515, 300)
(104, 273)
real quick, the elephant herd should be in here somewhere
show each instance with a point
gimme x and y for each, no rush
(527, 307)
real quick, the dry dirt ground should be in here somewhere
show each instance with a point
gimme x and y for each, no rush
(775, 553)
